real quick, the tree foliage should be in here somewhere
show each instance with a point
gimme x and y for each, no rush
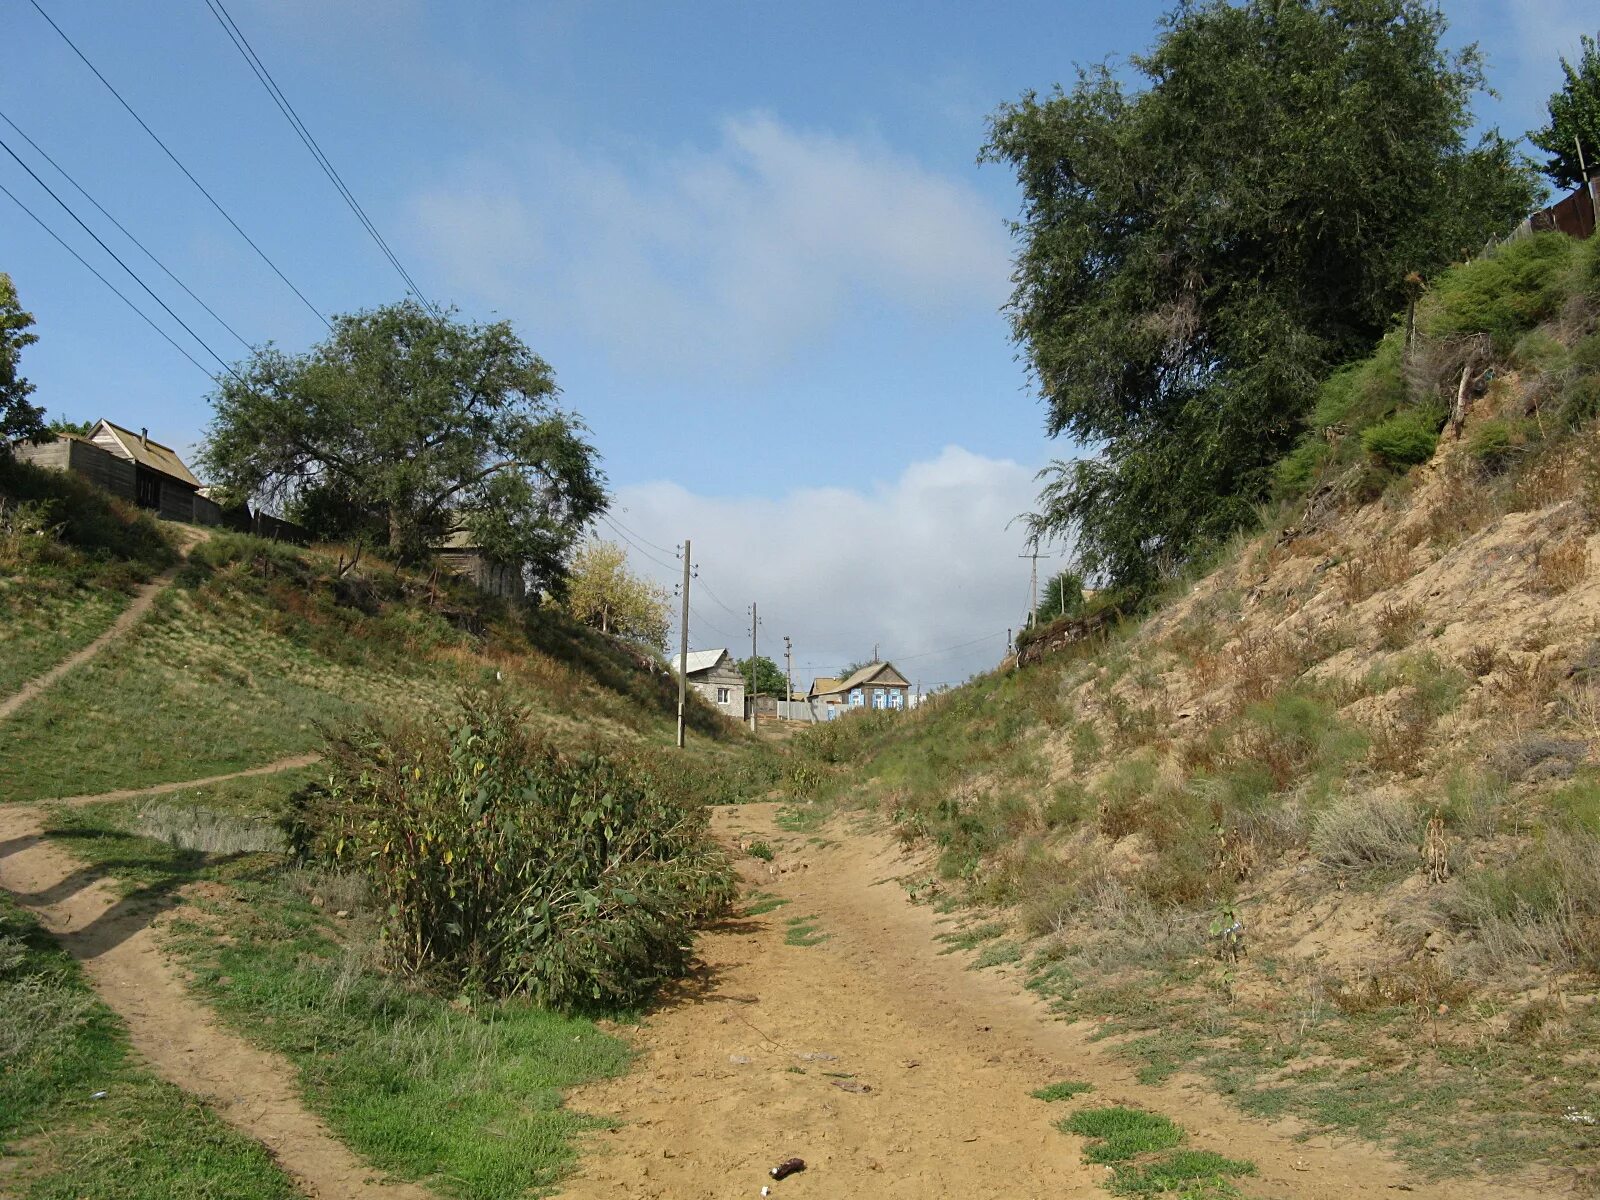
(1194, 255)
(403, 427)
(1574, 116)
(1062, 597)
(766, 678)
(602, 592)
(19, 419)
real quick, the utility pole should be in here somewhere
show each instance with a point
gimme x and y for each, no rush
(754, 620)
(1033, 585)
(788, 660)
(683, 647)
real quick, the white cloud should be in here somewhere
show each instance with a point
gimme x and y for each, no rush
(919, 564)
(732, 257)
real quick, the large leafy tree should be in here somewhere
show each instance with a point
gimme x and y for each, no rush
(1197, 251)
(602, 592)
(764, 676)
(19, 419)
(404, 427)
(1574, 118)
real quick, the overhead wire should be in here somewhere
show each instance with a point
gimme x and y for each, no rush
(145, 317)
(132, 274)
(188, 174)
(265, 77)
(123, 229)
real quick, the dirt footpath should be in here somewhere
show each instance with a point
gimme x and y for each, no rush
(891, 1069)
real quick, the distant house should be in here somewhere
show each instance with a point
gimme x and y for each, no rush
(715, 676)
(876, 685)
(462, 554)
(130, 465)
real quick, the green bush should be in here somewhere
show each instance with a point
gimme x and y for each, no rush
(1298, 470)
(75, 528)
(1496, 441)
(1407, 438)
(1118, 1134)
(512, 864)
(1359, 393)
(1503, 294)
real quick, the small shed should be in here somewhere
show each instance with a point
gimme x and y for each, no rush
(462, 554)
(132, 466)
(715, 675)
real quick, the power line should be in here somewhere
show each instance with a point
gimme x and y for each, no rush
(142, 314)
(253, 61)
(988, 637)
(636, 534)
(101, 243)
(640, 549)
(262, 254)
(720, 604)
(123, 229)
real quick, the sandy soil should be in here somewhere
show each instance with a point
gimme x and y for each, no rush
(742, 1068)
(115, 940)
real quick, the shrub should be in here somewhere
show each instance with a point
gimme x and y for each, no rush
(1495, 442)
(1503, 294)
(1365, 833)
(1407, 438)
(1562, 566)
(96, 530)
(510, 864)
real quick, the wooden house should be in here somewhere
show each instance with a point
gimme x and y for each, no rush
(130, 465)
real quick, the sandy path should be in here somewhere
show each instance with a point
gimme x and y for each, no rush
(698, 1122)
(112, 937)
(143, 598)
(164, 789)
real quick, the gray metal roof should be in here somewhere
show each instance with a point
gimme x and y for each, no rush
(702, 660)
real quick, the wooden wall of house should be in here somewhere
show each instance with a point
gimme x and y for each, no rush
(100, 467)
(496, 578)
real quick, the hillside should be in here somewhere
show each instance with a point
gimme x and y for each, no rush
(142, 813)
(1365, 742)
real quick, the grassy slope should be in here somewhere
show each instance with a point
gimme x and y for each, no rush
(235, 667)
(1396, 682)
(142, 1140)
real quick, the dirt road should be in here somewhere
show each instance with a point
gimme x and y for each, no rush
(744, 1067)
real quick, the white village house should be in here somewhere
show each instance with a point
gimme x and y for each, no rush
(715, 676)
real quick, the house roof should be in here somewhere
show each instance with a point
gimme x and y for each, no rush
(870, 673)
(149, 453)
(702, 660)
(823, 685)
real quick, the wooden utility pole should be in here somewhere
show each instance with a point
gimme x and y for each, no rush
(1033, 587)
(683, 647)
(753, 692)
(788, 661)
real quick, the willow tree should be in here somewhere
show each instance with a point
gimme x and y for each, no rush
(1199, 245)
(405, 427)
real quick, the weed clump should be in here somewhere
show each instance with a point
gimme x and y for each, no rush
(510, 864)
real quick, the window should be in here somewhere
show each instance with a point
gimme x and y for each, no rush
(856, 698)
(724, 695)
(897, 699)
(879, 699)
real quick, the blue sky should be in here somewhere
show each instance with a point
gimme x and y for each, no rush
(752, 240)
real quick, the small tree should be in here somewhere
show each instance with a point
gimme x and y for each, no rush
(602, 592)
(1063, 597)
(766, 678)
(1574, 117)
(19, 420)
(405, 426)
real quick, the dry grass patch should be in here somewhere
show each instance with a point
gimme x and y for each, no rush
(1561, 566)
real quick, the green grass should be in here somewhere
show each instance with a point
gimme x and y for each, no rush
(198, 688)
(762, 903)
(1118, 1134)
(972, 936)
(41, 623)
(804, 931)
(144, 1140)
(467, 1098)
(760, 850)
(1141, 1148)
(1066, 1089)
